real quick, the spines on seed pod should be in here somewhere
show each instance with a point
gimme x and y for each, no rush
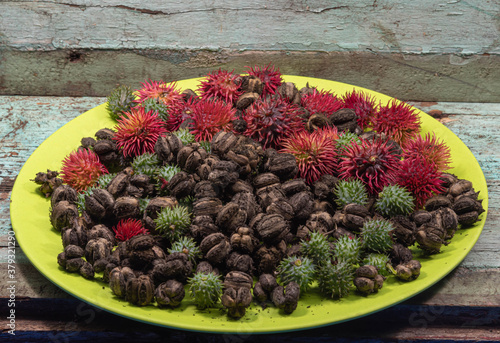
(317, 247)
(363, 104)
(270, 77)
(380, 261)
(185, 136)
(347, 249)
(394, 200)
(147, 164)
(376, 234)
(349, 192)
(173, 222)
(120, 100)
(397, 120)
(335, 280)
(206, 289)
(431, 149)
(81, 169)
(186, 245)
(345, 140)
(209, 117)
(128, 228)
(137, 133)
(220, 84)
(162, 92)
(164, 175)
(322, 102)
(297, 269)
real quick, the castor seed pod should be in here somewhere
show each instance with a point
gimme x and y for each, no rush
(139, 291)
(303, 204)
(126, 207)
(288, 91)
(240, 262)
(206, 268)
(356, 209)
(153, 209)
(247, 202)
(190, 157)
(222, 142)
(100, 265)
(207, 207)
(181, 185)
(342, 116)
(236, 301)
(421, 217)
(97, 249)
(466, 204)
(169, 294)
(436, 202)
(230, 217)
(73, 251)
(258, 292)
(367, 271)
(353, 222)
(64, 192)
(87, 271)
(283, 165)
(140, 242)
(104, 146)
(176, 266)
(118, 184)
(74, 235)
(400, 254)
(449, 221)
(286, 298)
(364, 285)
(118, 278)
(105, 134)
(205, 189)
(461, 186)
(167, 147)
(215, 247)
(320, 222)
(241, 186)
(282, 207)
(243, 240)
(268, 282)
(295, 186)
(73, 265)
(246, 100)
(469, 218)
(238, 279)
(101, 231)
(100, 204)
(61, 259)
(224, 173)
(63, 214)
(272, 228)
(317, 121)
(201, 227)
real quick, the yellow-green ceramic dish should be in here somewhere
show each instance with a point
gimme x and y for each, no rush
(41, 243)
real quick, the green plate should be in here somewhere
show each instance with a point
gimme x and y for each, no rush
(41, 243)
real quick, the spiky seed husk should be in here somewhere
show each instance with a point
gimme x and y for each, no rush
(394, 200)
(205, 289)
(432, 149)
(380, 261)
(347, 249)
(104, 180)
(345, 140)
(298, 269)
(185, 136)
(363, 104)
(156, 107)
(143, 203)
(323, 102)
(147, 164)
(316, 248)
(376, 235)
(335, 280)
(350, 192)
(173, 222)
(81, 169)
(164, 175)
(80, 198)
(270, 77)
(128, 228)
(209, 117)
(186, 246)
(120, 100)
(397, 120)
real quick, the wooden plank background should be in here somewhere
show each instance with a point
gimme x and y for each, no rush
(413, 50)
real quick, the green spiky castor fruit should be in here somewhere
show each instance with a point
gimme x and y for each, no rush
(185, 136)
(394, 200)
(298, 269)
(206, 145)
(147, 164)
(104, 180)
(376, 234)
(206, 289)
(80, 198)
(380, 261)
(186, 246)
(173, 223)
(316, 248)
(159, 108)
(120, 100)
(335, 280)
(350, 191)
(347, 249)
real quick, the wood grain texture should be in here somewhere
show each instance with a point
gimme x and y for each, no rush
(417, 27)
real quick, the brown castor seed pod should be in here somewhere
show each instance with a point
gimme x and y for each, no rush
(100, 204)
(181, 185)
(272, 228)
(87, 271)
(167, 147)
(288, 91)
(64, 192)
(63, 214)
(283, 165)
(154, 207)
(436, 202)
(126, 207)
(74, 234)
(215, 247)
(286, 298)
(97, 249)
(176, 266)
(101, 231)
(240, 262)
(243, 240)
(118, 278)
(207, 207)
(140, 291)
(317, 121)
(222, 142)
(119, 183)
(73, 251)
(408, 271)
(191, 157)
(246, 99)
(236, 301)
(169, 294)
(73, 265)
(230, 217)
(238, 279)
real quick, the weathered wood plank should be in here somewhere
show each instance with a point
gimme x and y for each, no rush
(412, 27)
(70, 72)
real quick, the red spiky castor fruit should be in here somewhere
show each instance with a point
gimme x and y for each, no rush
(81, 169)
(209, 117)
(271, 120)
(138, 132)
(363, 104)
(163, 92)
(421, 178)
(182, 113)
(128, 228)
(314, 152)
(322, 102)
(373, 162)
(270, 77)
(397, 120)
(431, 149)
(221, 84)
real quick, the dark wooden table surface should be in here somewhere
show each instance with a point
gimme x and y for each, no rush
(464, 306)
